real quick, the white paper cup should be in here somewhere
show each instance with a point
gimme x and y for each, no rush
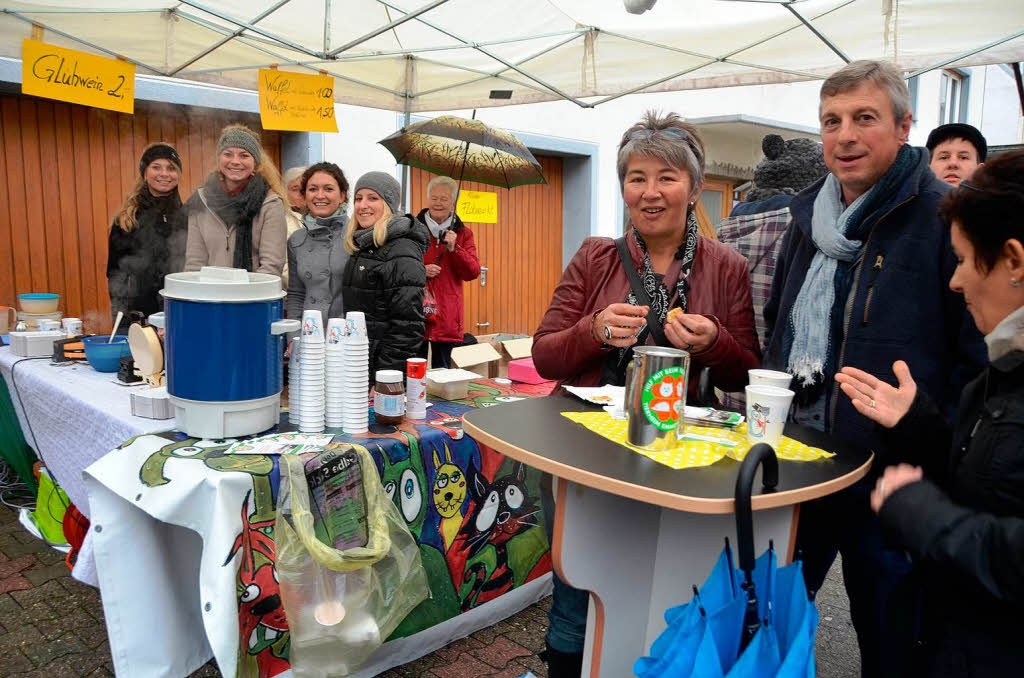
(767, 410)
(337, 329)
(312, 326)
(73, 326)
(769, 378)
(356, 324)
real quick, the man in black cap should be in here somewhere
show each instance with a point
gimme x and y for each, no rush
(957, 149)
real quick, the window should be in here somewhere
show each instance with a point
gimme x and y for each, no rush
(952, 97)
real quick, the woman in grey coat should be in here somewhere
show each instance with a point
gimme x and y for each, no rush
(316, 252)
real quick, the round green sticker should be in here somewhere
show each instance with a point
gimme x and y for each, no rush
(662, 395)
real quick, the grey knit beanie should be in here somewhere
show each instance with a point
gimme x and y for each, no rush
(384, 185)
(236, 137)
(788, 167)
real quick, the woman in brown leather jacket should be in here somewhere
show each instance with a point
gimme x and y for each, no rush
(594, 320)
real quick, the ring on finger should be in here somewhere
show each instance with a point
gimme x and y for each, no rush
(872, 404)
(608, 332)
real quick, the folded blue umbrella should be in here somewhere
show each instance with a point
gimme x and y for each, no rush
(762, 628)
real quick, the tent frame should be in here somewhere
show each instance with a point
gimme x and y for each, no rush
(248, 33)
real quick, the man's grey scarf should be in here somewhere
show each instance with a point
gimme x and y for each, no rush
(813, 307)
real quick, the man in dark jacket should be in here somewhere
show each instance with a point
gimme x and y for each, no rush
(450, 261)
(862, 280)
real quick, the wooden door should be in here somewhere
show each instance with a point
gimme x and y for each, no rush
(522, 252)
(64, 171)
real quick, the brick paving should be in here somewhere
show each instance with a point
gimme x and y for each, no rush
(52, 626)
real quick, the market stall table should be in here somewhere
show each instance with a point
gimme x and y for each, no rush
(182, 535)
(638, 534)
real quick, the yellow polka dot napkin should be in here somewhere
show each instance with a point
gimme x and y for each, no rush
(693, 453)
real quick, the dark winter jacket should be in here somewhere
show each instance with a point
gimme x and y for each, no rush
(964, 524)
(138, 260)
(900, 306)
(564, 348)
(386, 283)
(458, 266)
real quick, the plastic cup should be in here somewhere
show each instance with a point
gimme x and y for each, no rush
(769, 378)
(767, 410)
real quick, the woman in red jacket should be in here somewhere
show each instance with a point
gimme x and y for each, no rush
(450, 260)
(594, 320)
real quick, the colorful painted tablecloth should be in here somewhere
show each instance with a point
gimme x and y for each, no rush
(144, 492)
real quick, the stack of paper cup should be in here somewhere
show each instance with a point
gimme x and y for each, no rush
(769, 378)
(356, 375)
(311, 374)
(294, 406)
(334, 376)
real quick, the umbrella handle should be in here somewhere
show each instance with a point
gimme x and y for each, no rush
(759, 454)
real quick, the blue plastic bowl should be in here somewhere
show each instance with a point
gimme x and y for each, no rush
(104, 357)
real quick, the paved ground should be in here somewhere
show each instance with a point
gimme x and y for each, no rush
(52, 627)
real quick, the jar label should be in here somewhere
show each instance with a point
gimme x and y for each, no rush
(389, 405)
(663, 397)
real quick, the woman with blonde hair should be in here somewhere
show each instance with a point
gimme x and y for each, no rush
(385, 276)
(237, 218)
(147, 238)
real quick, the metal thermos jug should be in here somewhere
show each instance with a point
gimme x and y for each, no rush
(655, 395)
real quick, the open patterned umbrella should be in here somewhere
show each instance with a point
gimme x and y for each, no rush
(466, 150)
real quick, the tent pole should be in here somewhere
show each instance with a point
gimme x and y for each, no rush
(477, 47)
(406, 170)
(258, 31)
(386, 27)
(327, 26)
(229, 38)
(821, 36)
(958, 57)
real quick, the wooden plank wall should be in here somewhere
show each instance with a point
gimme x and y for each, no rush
(523, 252)
(64, 171)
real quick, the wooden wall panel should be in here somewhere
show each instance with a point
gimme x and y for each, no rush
(64, 170)
(523, 252)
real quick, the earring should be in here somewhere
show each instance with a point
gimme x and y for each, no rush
(1014, 282)
(693, 203)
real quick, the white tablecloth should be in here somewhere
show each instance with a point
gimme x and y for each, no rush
(71, 416)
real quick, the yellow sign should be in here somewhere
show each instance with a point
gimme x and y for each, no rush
(76, 77)
(480, 207)
(296, 102)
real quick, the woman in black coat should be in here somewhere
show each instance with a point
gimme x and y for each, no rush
(147, 238)
(955, 501)
(385, 276)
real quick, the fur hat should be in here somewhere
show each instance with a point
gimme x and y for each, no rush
(385, 186)
(788, 167)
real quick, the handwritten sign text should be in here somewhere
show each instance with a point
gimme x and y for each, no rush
(480, 207)
(297, 102)
(77, 77)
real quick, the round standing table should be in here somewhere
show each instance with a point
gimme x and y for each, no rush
(638, 534)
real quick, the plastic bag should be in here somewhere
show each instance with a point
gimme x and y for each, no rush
(342, 604)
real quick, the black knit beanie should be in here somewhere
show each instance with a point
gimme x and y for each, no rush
(158, 152)
(788, 167)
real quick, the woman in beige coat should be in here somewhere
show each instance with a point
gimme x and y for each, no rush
(237, 218)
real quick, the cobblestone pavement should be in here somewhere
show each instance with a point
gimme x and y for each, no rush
(52, 626)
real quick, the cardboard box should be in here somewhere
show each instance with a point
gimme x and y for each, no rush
(514, 349)
(482, 358)
(523, 371)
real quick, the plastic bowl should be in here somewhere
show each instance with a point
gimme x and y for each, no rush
(38, 302)
(104, 357)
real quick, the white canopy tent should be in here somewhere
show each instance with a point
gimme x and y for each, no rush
(432, 55)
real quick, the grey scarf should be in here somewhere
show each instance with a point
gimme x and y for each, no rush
(1007, 336)
(314, 224)
(810, 317)
(436, 228)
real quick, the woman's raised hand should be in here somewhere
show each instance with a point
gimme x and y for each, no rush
(619, 324)
(875, 399)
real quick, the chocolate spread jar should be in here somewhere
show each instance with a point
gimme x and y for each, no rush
(389, 397)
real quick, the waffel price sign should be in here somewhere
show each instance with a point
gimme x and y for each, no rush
(77, 77)
(296, 102)
(479, 207)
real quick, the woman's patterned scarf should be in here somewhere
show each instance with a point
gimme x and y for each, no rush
(657, 291)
